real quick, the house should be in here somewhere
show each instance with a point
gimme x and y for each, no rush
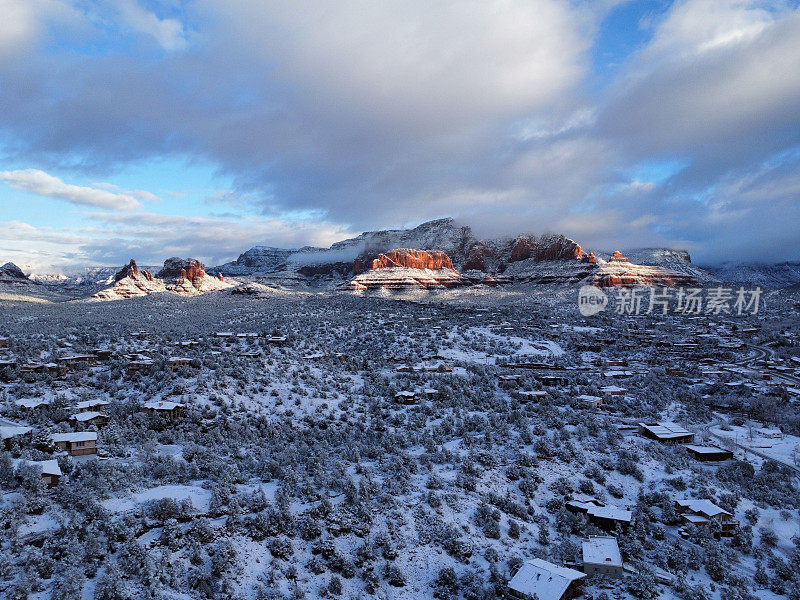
(431, 392)
(607, 517)
(179, 362)
(601, 556)
(102, 353)
(30, 404)
(73, 360)
(702, 512)
(11, 432)
(551, 380)
(618, 374)
(3, 342)
(78, 443)
(90, 417)
(277, 339)
(509, 380)
(708, 453)
(406, 397)
(436, 368)
(171, 410)
(51, 472)
(37, 367)
(88, 405)
(590, 401)
(581, 503)
(543, 580)
(613, 390)
(666, 432)
(139, 365)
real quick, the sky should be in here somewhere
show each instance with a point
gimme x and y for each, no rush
(147, 129)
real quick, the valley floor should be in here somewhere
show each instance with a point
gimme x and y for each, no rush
(323, 445)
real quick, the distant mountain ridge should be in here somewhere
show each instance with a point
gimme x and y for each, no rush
(522, 257)
(778, 275)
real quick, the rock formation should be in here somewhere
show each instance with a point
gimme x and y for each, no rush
(547, 247)
(617, 257)
(476, 259)
(185, 277)
(127, 271)
(189, 269)
(10, 272)
(619, 271)
(413, 259)
(405, 269)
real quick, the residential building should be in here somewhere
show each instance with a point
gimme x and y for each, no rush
(601, 556)
(78, 443)
(543, 580)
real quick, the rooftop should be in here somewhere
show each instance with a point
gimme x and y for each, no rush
(546, 580)
(602, 550)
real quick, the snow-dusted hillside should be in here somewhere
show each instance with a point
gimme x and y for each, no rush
(778, 275)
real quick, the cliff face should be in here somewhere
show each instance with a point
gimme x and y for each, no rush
(189, 269)
(131, 270)
(548, 247)
(413, 259)
(405, 269)
(619, 271)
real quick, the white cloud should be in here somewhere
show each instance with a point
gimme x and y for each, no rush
(25, 20)
(43, 184)
(168, 33)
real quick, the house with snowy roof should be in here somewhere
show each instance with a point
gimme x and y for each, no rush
(171, 410)
(581, 503)
(601, 556)
(88, 405)
(527, 395)
(90, 417)
(51, 472)
(708, 453)
(73, 360)
(78, 443)
(613, 390)
(406, 397)
(590, 401)
(543, 580)
(176, 363)
(667, 432)
(31, 404)
(509, 380)
(703, 512)
(11, 433)
(608, 517)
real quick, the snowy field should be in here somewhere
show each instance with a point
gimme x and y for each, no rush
(293, 470)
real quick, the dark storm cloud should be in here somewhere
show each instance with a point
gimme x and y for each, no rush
(386, 114)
